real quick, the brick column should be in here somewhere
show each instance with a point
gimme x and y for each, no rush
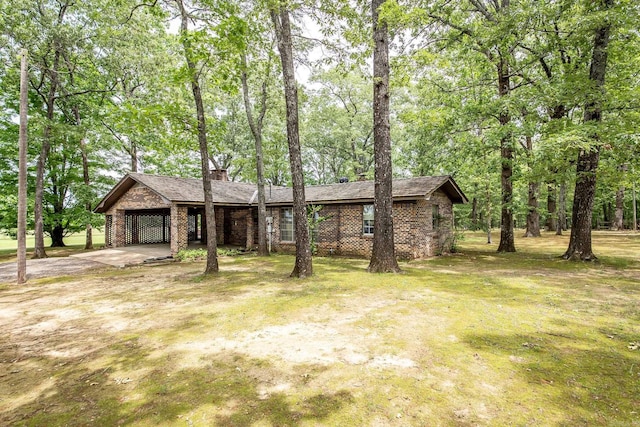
(250, 229)
(179, 229)
(119, 229)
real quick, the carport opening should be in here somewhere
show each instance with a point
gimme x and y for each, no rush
(147, 227)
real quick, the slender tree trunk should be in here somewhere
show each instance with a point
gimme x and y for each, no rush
(635, 206)
(383, 256)
(256, 131)
(303, 266)
(619, 215)
(133, 153)
(474, 214)
(551, 207)
(212, 244)
(85, 177)
(22, 171)
(533, 217)
(580, 240)
(561, 223)
(38, 209)
(488, 194)
(507, 241)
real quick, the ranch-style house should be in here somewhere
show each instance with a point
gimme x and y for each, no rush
(146, 209)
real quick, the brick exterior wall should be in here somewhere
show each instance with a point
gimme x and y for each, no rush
(219, 215)
(139, 197)
(341, 233)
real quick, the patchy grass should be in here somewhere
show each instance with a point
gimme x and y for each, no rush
(475, 338)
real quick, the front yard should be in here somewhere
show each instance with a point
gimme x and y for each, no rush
(475, 338)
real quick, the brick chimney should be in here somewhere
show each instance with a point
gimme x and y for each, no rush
(219, 175)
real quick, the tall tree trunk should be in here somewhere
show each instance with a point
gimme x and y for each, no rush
(85, 177)
(507, 241)
(303, 266)
(383, 256)
(489, 217)
(561, 223)
(551, 207)
(533, 217)
(38, 209)
(22, 171)
(212, 244)
(50, 100)
(133, 154)
(580, 240)
(256, 131)
(619, 215)
(474, 214)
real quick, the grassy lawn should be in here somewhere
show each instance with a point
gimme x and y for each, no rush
(475, 338)
(74, 242)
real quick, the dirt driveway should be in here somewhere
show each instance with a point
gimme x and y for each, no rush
(38, 268)
(81, 262)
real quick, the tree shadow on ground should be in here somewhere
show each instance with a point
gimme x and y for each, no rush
(601, 384)
(134, 386)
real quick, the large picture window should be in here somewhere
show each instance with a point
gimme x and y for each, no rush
(286, 225)
(367, 220)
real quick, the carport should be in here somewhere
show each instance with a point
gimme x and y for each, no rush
(151, 209)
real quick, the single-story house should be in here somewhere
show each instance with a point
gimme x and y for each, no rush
(145, 208)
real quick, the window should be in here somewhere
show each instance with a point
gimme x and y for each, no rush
(286, 225)
(435, 217)
(367, 220)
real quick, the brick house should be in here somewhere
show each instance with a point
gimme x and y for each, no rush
(161, 209)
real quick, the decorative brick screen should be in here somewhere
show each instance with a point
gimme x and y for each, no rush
(108, 227)
(147, 227)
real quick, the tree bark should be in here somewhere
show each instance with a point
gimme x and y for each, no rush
(474, 214)
(85, 177)
(39, 251)
(533, 216)
(619, 215)
(561, 223)
(256, 131)
(49, 100)
(303, 266)
(57, 237)
(212, 244)
(507, 241)
(551, 207)
(22, 171)
(383, 256)
(587, 166)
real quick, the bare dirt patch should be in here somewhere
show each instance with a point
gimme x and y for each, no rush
(162, 345)
(47, 267)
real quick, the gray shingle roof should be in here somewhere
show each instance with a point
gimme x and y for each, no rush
(189, 190)
(184, 190)
(409, 188)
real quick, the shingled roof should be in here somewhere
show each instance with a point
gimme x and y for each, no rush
(362, 191)
(189, 191)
